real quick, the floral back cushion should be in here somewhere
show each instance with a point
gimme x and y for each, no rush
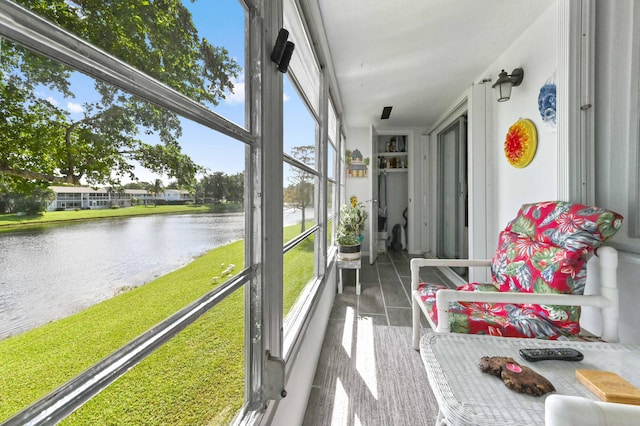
(528, 266)
(575, 227)
(543, 250)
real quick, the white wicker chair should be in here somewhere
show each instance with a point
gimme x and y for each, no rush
(607, 301)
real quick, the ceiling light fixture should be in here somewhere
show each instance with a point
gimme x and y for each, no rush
(386, 112)
(505, 82)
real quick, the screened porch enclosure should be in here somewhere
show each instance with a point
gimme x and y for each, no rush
(240, 308)
(188, 96)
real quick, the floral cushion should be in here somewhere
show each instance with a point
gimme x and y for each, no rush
(572, 226)
(543, 250)
(502, 319)
(522, 264)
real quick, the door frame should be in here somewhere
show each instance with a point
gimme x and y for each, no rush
(375, 197)
(430, 186)
(459, 124)
(413, 245)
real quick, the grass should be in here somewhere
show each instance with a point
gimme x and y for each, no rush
(12, 221)
(298, 271)
(197, 378)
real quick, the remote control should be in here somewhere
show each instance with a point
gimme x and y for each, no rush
(560, 354)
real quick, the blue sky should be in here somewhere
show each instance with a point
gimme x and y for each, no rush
(222, 23)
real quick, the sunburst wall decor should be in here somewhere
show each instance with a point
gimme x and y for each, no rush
(520, 143)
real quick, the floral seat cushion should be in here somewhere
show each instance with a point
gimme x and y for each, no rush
(543, 250)
(503, 319)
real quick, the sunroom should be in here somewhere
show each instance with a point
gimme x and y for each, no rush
(290, 97)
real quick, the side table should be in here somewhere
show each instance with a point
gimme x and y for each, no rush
(349, 264)
(467, 396)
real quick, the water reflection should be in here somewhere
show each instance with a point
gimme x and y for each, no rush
(49, 273)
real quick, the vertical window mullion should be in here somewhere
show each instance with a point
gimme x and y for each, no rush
(264, 294)
(321, 199)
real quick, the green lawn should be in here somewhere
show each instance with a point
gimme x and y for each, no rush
(10, 221)
(195, 379)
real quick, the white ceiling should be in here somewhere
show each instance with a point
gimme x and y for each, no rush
(418, 56)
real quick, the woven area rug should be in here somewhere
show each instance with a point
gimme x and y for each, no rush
(370, 375)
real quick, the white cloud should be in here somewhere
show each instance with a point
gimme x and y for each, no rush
(52, 101)
(237, 97)
(74, 107)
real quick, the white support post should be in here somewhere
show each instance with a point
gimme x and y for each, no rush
(608, 257)
(442, 306)
(415, 307)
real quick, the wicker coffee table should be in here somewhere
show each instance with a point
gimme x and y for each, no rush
(467, 396)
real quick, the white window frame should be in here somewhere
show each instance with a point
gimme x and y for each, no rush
(265, 355)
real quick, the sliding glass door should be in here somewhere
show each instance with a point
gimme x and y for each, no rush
(452, 192)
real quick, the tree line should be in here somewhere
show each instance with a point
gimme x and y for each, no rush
(42, 143)
(214, 188)
(219, 187)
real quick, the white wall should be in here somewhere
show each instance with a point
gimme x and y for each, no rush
(358, 138)
(535, 52)
(506, 187)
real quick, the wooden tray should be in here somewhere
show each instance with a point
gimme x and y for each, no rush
(609, 386)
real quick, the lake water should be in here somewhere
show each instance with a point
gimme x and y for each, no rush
(52, 272)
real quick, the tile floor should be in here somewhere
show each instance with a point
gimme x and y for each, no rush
(385, 290)
(384, 301)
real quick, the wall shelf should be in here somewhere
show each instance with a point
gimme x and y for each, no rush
(392, 154)
(396, 170)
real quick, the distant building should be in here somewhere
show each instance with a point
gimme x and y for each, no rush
(83, 197)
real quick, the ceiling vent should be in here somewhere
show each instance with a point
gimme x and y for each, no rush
(386, 112)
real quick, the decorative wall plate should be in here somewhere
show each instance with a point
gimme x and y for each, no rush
(547, 103)
(521, 143)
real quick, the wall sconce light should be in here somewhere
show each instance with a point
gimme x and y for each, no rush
(505, 82)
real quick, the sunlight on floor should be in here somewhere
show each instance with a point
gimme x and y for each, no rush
(340, 412)
(362, 348)
(365, 355)
(347, 334)
(340, 415)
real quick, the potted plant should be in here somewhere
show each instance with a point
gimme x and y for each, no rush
(350, 228)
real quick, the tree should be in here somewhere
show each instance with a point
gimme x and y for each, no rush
(216, 186)
(198, 192)
(235, 188)
(220, 186)
(134, 185)
(116, 194)
(300, 192)
(173, 185)
(41, 142)
(156, 189)
(32, 202)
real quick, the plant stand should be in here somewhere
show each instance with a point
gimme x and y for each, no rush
(349, 264)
